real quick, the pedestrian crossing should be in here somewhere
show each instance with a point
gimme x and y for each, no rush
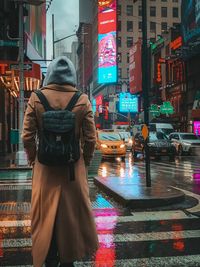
(164, 238)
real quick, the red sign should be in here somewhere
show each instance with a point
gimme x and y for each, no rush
(176, 43)
(135, 70)
(159, 77)
(107, 22)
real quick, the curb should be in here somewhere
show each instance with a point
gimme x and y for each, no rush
(149, 199)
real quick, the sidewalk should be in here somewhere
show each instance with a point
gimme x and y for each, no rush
(7, 162)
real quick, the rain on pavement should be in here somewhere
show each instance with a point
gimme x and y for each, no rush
(167, 236)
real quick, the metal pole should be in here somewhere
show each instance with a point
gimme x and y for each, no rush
(83, 54)
(53, 38)
(21, 73)
(145, 87)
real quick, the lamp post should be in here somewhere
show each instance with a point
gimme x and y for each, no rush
(21, 158)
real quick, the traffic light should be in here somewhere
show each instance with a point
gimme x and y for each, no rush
(9, 79)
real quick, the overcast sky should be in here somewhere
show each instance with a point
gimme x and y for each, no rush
(66, 20)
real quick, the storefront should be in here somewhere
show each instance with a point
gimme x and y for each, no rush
(9, 99)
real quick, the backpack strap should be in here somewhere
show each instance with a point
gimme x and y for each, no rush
(73, 101)
(43, 100)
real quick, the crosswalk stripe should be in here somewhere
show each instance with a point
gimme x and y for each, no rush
(137, 217)
(139, 237)
(189, 261)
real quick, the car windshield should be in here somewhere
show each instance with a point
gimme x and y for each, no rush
(109, 137)
(188, 137)
(167, 131)
(125, 135)
(155, 136)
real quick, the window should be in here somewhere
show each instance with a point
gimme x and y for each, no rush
(164, 12)
(175, 12)
(140, 25)
(152, 26)
(119, 57)
(119, 25)
(129, 26)
(163, 0)
(119, 41)
(127, 57)
(152, 11)
(175, 1)
(119, 72)
(129, 41)
(119, 10)
(129, 10)
(139, 10)
(164, 26)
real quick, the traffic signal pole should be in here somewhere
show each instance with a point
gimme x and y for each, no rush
(145, 87)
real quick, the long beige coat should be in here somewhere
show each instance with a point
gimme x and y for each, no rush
(55, 199)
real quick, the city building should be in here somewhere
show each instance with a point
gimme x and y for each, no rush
(35, 51)
(161, 16)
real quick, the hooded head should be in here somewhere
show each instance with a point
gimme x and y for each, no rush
(60, 71)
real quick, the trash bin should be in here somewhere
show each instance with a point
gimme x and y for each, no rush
(14, 136)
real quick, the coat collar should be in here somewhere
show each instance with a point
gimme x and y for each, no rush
(64, 88)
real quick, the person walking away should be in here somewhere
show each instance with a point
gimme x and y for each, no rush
(62, 225)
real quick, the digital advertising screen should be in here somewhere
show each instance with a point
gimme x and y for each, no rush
(128, 103)
(107, 48)
(190, 19)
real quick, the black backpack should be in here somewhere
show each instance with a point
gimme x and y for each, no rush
(57, 142)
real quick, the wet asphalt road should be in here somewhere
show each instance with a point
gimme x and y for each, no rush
(167, 236)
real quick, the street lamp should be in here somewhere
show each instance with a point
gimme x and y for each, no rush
(58, 40)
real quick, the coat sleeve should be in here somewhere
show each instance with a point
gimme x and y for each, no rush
(29, 130)
(89, 134)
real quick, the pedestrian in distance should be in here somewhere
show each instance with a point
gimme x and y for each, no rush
(59, 137)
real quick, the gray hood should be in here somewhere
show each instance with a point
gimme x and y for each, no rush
(60, 71)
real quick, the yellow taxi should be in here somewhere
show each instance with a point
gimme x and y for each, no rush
(111, 144)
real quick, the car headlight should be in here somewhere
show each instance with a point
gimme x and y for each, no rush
(104, 146)
(122, 145)
(151, 144)
(130, 141)
(186, 144)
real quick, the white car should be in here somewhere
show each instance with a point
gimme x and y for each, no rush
(126, 136)
(185, 142)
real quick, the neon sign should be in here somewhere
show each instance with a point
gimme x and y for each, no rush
(176, 43)
(107, 48)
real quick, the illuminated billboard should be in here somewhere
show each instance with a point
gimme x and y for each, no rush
(190, 19)
(107, 48)
(128, 102)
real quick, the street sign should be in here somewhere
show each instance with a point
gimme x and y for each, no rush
(27, 66)
(145, 131)
(166, 108)
(154, 109)
(9, 43)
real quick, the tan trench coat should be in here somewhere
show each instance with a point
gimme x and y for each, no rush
(57, 201)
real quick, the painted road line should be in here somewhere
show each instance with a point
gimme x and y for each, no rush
(137, 217)
(189, 261)
(139, 237)
(195, 208)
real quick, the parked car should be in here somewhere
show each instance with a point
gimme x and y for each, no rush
(126, 136)
(159, 145)
(185, 142)
(165, 128)
(111, 144)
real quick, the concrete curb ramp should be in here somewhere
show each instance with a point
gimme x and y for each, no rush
(138, 195)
